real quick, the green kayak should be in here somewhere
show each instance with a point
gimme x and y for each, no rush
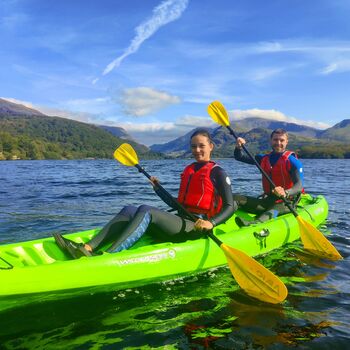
(39, 266)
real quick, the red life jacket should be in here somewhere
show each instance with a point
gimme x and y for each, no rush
(279, 173)
(197, 192)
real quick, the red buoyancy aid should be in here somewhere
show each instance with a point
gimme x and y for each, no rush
(197, 192)
(279, 173)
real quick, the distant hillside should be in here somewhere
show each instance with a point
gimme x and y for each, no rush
(116, 131)
(177, 147)
(339, 132)
(180, 147)
(11, 109)
(29, 134)
(307, 142)
(302, 130)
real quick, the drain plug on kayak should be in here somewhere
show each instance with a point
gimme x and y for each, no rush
(261, 236)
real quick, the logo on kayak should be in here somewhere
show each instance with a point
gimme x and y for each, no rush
(170, 254)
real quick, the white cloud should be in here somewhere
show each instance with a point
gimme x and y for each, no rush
(84, 117)
(151, 133)
(161, 132)
(81, 116)
(258, 113)
(194, 121)
(274, 115)
(143, 101)
(339, 66)
(316, 47)
(81, 103)
(269, 47)
(334, 55)
(166, 12)
(266, 73)
(147, 127)
(24, 103)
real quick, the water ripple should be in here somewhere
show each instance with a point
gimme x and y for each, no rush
(205, 311)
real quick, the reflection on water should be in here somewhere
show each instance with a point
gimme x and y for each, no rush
(204, 311)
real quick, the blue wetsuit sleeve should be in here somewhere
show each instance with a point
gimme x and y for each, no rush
(297, 175)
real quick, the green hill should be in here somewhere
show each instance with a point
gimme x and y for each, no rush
(339, 132)
(28, 134)
(25, 134)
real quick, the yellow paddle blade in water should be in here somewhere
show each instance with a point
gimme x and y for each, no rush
(126, 155)
(218, 112)
(255, 279)
(314, 241)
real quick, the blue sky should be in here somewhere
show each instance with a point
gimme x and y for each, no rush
(153, 66)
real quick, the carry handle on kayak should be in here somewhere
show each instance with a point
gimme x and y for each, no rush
(253, 278)
(313, 240)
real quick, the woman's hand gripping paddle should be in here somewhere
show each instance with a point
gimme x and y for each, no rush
(253, 278)
(313, 240)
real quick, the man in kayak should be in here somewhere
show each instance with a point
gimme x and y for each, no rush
(205, 191)
(286, 172)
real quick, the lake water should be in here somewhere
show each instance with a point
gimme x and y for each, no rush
(38, 198)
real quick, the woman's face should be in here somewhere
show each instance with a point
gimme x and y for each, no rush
(201, 148)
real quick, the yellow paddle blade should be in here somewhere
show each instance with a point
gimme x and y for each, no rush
(126, 155)
(256, 280)
(218, 113)
(316, 242)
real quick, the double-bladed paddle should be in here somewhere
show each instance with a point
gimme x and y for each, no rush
(252, 277)
(313, 240)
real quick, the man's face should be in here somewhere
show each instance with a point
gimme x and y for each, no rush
(279, 142)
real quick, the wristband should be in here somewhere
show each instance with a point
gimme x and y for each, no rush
(212, 221)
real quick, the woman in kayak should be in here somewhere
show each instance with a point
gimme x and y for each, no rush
(205, 191)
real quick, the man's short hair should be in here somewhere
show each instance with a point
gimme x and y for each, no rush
(279, 131)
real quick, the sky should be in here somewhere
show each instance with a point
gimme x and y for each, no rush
(153, 66)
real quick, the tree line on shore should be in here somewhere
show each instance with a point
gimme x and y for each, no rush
(26, 147)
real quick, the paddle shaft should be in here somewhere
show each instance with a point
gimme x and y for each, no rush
(178, 205)
(263, 172)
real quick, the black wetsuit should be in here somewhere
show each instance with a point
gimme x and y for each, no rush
(163, 225)
(266, 206)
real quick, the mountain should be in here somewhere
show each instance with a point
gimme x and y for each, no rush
(180, 147)
(255, 122)
(117, 131)
(251, 128)
(306, 141)
(11, 109)
(28, 134)
(177, 147)
(339, 132)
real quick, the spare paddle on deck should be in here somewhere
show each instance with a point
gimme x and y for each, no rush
(311, 237)
(253, 278)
